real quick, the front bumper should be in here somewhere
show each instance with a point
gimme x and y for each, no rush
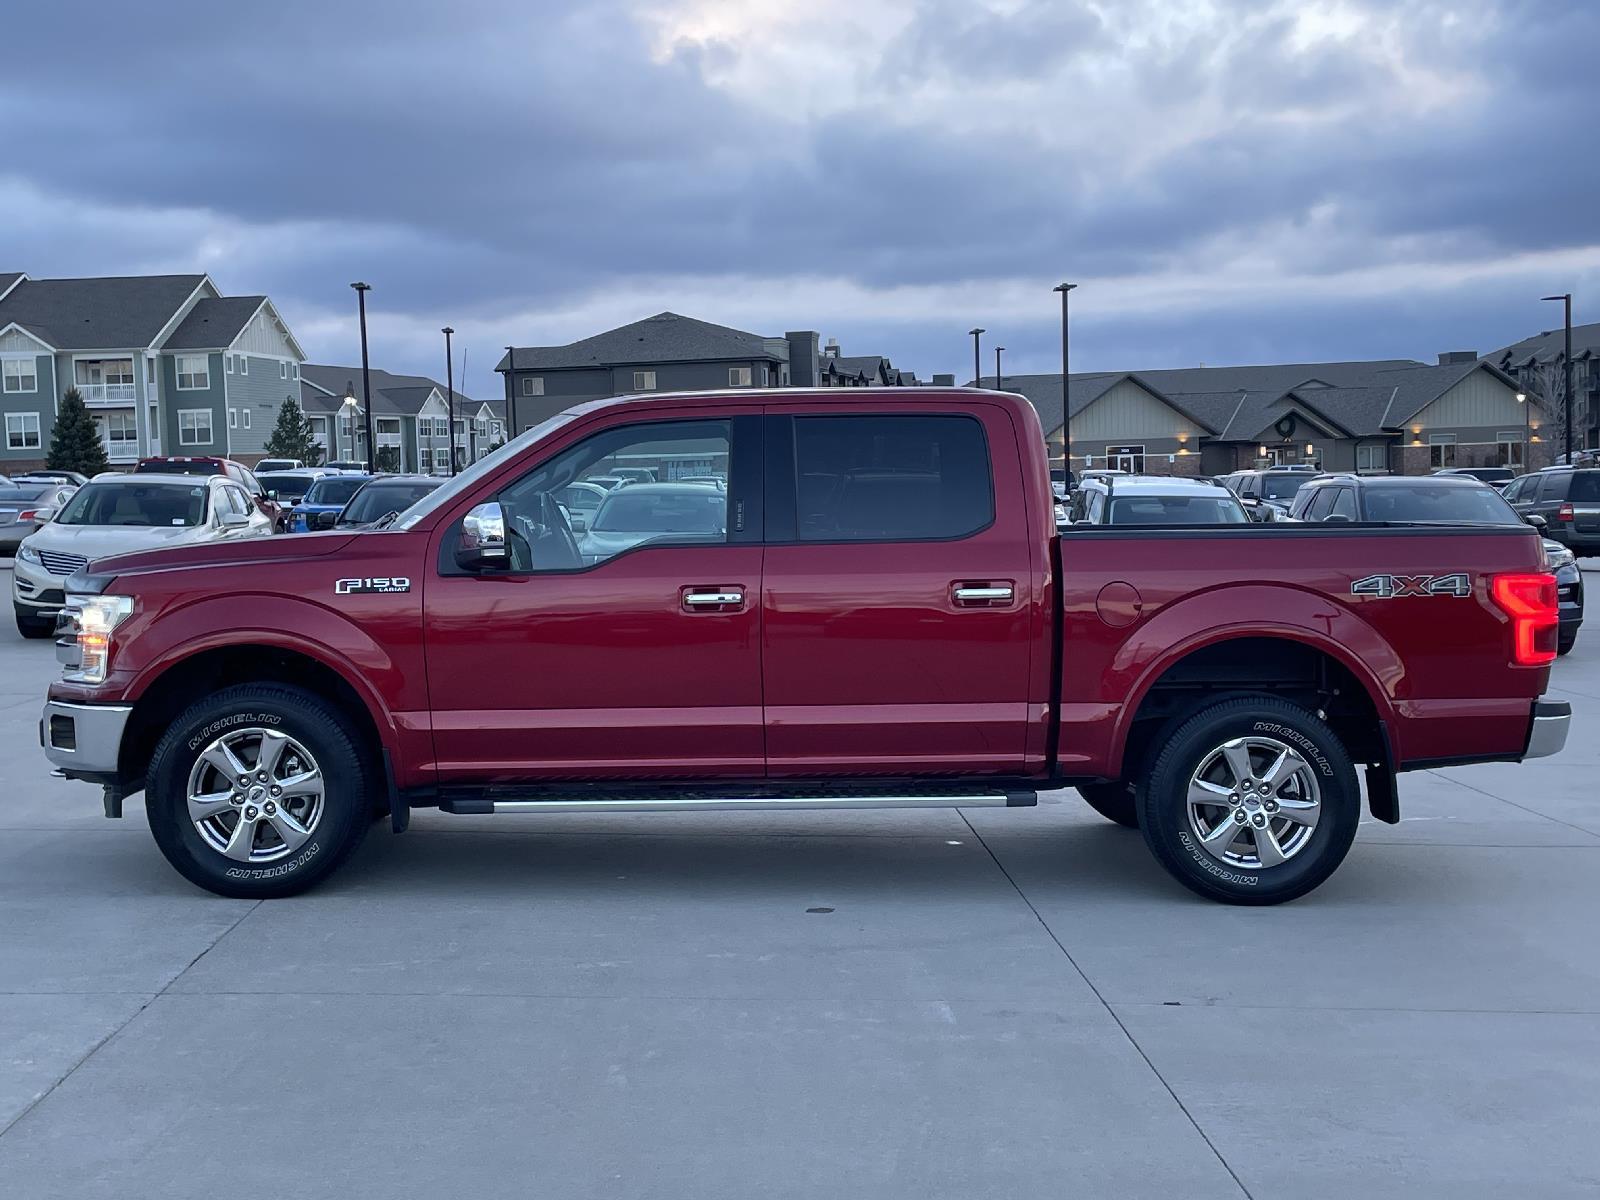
(32, 587)
(84, 739)
(1548, 732)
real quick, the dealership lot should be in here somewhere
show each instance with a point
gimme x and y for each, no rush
(930, 1003)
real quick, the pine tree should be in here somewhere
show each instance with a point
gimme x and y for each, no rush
(294, 436)
(75, 443)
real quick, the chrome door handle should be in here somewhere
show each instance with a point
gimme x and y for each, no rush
(971, 594)
(702, 599)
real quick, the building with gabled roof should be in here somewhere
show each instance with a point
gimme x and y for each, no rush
(165, 363)
(410, 419)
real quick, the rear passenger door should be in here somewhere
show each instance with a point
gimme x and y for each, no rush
(900, 612)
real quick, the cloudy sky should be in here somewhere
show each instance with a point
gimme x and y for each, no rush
(1228, 180)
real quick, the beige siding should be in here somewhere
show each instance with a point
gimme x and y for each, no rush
(1478, 401)
(1128, 413)
(264, 336)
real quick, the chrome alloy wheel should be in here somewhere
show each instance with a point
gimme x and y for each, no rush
(255, 795)
(1254, 802)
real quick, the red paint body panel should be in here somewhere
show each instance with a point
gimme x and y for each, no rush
(842, 659)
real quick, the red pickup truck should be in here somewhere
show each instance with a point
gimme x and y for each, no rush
(796, 599)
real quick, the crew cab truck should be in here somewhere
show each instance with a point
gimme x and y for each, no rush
(876, 611)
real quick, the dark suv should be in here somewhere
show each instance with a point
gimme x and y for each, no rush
(1402, 500)
(1568, 498)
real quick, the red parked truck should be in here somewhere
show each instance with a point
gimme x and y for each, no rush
(825, 600)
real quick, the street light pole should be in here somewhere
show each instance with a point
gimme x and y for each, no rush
(361, 290)
(997, 350)
(1566, 370)
(977, 358)
(511, 393)
(1066, 377)
(450, 383)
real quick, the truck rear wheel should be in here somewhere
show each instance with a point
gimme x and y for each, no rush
(1251, 801)
(1113, 801)
(258, 791)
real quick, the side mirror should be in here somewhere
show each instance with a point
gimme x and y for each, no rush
(1336, 519)
(322, 520)
(233, 520)
(1536, 521)
(577, 522)
(272, 493)
(483, 538)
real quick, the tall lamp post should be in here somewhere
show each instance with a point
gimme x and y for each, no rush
(511, 392)
(450, 383)
(1527, 433)
(361, 290)
(997, 351)
(1066, 377)
(1566, 370)
(977, 361)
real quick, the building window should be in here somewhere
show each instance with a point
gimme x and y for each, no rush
(533, 385)
(1372, 458)
(644, 381)
(1508, 448)
(22, 431)
(233, 418)
(194, 426)
(283, 370)
(244, 418)
(1126, 458)
(244, 364)
(294, 370)
(194, 374)
(738, 376)
(1441, 449)
(441, 458)
(121, 435)
(227, 364)
(21, 375)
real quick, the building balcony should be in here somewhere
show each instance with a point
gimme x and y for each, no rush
(115, 395)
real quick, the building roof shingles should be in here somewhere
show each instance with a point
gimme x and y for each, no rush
(112, 313)
(213, 323)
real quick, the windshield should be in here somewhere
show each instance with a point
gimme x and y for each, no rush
(1284, 486)
(582, 499)
(334, 489)
(469, 478)
(287, 485)
(169, 467)
(633, 510)
(118, 503)
(379, 499)
(1441, 504)
(1177, 510)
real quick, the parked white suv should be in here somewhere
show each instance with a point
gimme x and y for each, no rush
(117, 514)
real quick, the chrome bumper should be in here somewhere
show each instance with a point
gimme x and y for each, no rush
(83, 737)
(1551, 719)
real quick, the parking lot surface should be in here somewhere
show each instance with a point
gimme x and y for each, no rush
(1013, 1003)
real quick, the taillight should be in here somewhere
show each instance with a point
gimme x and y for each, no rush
(27, 514)
(1530, 602)
(1564, 513)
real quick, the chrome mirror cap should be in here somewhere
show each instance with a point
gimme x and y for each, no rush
(483, 538)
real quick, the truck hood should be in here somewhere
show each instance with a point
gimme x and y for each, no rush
(281, 548)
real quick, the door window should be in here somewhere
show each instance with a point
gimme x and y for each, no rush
(1344, 503)
(1554, 486)
(1320, 504)
(891, 478)
(632, 515)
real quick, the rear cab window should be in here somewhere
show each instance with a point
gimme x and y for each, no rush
(1585, 487)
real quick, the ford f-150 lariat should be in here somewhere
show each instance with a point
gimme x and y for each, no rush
(791, 599)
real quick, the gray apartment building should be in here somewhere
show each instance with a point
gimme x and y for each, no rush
(1538, 364)
(673, 353)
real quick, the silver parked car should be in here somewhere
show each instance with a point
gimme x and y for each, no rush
(26, 506)
(654, 512)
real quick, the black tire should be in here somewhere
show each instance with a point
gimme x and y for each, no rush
(1565, 641)
(1163, 805)
(31, 626)
(1113, 801)
(328, 736)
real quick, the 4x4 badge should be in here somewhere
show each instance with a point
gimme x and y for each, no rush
(1394, 587)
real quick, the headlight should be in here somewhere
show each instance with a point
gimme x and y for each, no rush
(1556, 559)
(94, 617)
(28, 554)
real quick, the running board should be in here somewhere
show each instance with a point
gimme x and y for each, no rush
(516, 800)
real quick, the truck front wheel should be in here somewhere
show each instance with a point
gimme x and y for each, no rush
(258, 791)
(1251, 801)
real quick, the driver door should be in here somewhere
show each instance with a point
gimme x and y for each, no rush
(631, 649)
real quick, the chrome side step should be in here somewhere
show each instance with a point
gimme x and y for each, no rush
(495, 800)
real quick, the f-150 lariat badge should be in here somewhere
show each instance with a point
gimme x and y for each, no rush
(356, 587)
(1395, 587)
